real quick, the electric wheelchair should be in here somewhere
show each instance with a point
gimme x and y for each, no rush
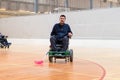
(4, 43)
(60, 54)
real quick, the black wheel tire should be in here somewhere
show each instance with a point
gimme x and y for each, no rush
(71, 55)
(50, 59)
(8, 46)
(2, 46)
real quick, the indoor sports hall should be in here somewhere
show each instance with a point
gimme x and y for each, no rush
(93, 52)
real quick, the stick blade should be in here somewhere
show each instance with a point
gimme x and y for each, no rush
(38, 62)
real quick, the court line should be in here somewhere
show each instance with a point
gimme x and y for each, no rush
(104, 71)
(47, 68)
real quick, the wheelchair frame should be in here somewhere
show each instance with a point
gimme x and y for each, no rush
(67, 55)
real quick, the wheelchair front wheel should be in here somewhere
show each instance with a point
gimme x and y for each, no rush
(71, 55)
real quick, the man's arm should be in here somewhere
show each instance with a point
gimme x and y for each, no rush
(53, 31)
(69, 32)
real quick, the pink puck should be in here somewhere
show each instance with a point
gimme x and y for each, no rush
(38, 62)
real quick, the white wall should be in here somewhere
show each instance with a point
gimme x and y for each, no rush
(98, 24)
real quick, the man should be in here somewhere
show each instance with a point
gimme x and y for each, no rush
(61, 31)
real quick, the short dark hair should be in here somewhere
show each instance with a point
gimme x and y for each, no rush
(63, 16)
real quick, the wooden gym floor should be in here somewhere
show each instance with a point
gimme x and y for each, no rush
(90, 63)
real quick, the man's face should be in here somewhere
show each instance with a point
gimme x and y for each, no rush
(62, 20)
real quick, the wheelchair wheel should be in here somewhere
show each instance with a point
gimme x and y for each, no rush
(71, 55)
(50, 59)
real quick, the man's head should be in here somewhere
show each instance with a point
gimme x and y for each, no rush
(62, 19)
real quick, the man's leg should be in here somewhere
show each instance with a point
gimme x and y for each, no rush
(65, 43)
(53, 43)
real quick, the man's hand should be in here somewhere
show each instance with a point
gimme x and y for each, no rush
(70, 34)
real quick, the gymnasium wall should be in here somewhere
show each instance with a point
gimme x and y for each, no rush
(92, 24)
